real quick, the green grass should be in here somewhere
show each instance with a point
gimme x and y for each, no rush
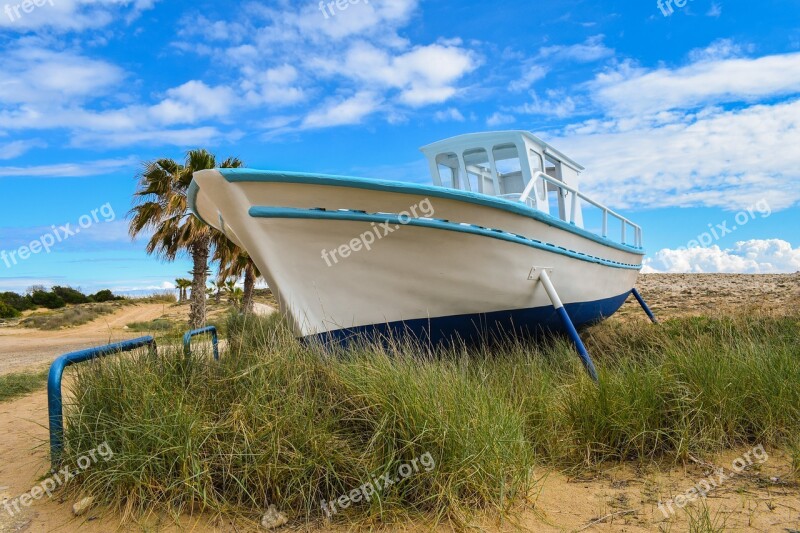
(280, 422)
(22, 383)
(157, 325)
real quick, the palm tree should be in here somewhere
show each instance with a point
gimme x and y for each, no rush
(161, 207)
(182, 285)
(234, 263)
(217, 287)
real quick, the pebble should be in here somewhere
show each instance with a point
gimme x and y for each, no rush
(82, 506)
(273, 519)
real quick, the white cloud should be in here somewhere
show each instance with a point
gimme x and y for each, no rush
(500, 119)
(632, 91)
(555, 104)
(70, 170)
(338, 112)
(36, 75)
(192, 102)
(450, 114)
(15, 149)
(68, 15)
(424, 75)
(531, 75)
(771, 256)
(592, 49)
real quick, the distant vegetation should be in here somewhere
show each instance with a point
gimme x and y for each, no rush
(280, 421)
(67, 306)
(55, 298)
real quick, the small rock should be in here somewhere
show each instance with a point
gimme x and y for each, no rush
(82, 506)
(775, 479)
(273, 519)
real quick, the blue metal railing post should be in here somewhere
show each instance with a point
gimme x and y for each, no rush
(55, 401)
(647, 310)
(187, 340)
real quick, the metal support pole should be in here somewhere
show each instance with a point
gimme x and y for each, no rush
(644, 306)
(570, 327)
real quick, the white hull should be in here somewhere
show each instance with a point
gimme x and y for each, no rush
(437, 272)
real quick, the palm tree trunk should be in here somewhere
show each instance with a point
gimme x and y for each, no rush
(218, 296)
(197, 309)
(249, 288)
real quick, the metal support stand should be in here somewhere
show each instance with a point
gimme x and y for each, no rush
(570, 327)
(644, 306)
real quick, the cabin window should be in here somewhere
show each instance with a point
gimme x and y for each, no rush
(479, 171)
(448, 170)
(509, 169)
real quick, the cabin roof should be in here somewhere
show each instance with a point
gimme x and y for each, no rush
(473, 140)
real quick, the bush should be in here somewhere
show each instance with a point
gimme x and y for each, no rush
(105, 296)
(48, 299)
(17, 301)
(6, 311)
(70, 295)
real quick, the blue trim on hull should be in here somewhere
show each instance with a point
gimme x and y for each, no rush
(244, 175)
(473, 328)
(430, 223)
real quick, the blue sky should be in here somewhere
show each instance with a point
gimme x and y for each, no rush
(683, 120)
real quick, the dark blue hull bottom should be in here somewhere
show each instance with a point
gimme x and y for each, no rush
(524, 323)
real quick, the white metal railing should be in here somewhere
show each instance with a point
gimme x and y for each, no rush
(577, 195)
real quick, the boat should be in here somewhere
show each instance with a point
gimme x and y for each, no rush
(501, 243)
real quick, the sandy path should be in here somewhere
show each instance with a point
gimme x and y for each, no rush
(21, 347)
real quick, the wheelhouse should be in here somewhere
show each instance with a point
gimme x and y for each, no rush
(520, 167)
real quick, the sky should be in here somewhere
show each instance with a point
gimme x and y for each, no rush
(685, 113)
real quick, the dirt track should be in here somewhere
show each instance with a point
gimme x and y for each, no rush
(22, 348)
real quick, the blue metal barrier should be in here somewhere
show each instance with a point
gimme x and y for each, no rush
(187, 340)
(55, 404)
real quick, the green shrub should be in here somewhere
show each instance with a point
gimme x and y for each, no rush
(105, 296)
(70, 295)
(6, 311)
(48, 299)
(18, 302)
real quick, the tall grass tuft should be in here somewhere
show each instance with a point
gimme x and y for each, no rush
(286, 423)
